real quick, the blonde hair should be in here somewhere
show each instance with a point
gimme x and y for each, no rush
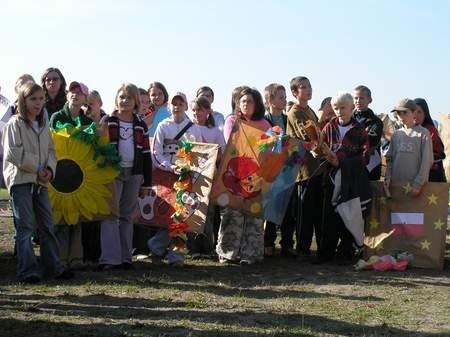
(95, 95)
(21, 80)
(342, 97)
(131, 90)
(270, 91)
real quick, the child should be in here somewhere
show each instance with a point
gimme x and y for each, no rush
(209, 94)
(11, 110)
(289, 105)
(54, 85)
(90, 230)
(309, 207)
(275, 102)
(29, 165)
(347, 141)
(159, 98)
(95, 103)
(242, 236)
(203, 243)
(410, 154)
(422, 117)
(170, 131)
(70, 236)
(130, 135)
(362, 97)
(325, 112)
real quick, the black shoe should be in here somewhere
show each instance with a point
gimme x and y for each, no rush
(322, 260)
(289, 252)
(65, 275)
(343, 260)
(127, 266)
(31, 279)
(108, 267)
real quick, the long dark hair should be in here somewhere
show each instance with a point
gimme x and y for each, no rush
(203, 103)
(161, 87)
(60, 98)
(260, 110)
(234, 94)
(423, 104)
(26, 91)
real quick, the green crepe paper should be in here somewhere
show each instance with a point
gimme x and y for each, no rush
(187, 146)
(104, 155)
(263, 148)
(179, 195)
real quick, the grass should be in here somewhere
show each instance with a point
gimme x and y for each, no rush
(278, 298)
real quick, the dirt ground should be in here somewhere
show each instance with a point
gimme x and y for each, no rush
(281, 297)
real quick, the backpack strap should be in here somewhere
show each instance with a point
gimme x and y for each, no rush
(181, 133)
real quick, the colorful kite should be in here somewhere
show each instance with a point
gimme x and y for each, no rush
(257, 171)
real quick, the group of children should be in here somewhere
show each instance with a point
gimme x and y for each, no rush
(144, 127)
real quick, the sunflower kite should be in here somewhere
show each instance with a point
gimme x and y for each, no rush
(87, 165)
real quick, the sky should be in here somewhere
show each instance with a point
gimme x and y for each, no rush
(398, 48)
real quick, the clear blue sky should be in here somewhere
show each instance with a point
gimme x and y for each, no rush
(398, 48)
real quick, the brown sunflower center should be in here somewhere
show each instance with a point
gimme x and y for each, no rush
(68, 176)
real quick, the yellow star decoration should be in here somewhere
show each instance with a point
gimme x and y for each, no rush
(407, 188)
(383, 200)
(425, 244)
(438, 224)
(374, 224)
(432, 199)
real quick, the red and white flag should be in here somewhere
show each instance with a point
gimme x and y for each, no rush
(407, 223)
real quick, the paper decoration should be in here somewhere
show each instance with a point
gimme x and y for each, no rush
(185, 200)
(258, 171)
(83, 187)
(408, 224)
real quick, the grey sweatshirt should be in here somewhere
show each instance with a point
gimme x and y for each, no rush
(410, 156)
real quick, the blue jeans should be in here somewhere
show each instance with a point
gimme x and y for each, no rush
(159, 246)
(31, 210)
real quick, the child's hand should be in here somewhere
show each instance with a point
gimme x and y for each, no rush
(44, 175)
(415, 191)
(332, 158)
(176, 169)
(143, 192)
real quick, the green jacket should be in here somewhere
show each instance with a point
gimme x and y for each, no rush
(63, 116)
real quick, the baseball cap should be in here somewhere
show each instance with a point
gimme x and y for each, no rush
(179, 94)
(405, 104)
(83, 88)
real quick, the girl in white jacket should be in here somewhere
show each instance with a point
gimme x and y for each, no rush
(29, 164)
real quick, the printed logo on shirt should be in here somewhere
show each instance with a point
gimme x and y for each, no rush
(406, 147)
(125, 132)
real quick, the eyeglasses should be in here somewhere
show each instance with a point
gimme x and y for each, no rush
(50, 79)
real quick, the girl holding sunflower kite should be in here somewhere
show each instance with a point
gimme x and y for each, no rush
(130, 135)
(70, 234)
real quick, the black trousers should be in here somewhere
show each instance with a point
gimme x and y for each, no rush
(287, 227)
(90, 239)
(336, 238)
(310, 219)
